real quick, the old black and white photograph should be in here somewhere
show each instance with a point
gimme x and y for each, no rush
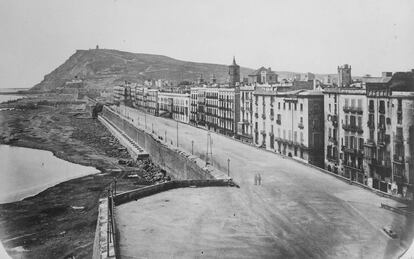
(206, 129)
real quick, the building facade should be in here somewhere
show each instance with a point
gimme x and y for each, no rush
(245, 124)
(263, 76)
(290, 123)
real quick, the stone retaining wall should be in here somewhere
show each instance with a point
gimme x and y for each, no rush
(177, 163)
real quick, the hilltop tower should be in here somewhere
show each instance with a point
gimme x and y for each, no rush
(344, 76)
(234, 73)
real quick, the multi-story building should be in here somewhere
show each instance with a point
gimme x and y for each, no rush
(344, 131)
(165, 104)
(197, 103)
(389, 149)
(245, 125)
(368, 127)
(218, 108)
(181, 107)
(175, 105)
(118, 94)
(290, 123)
(263, 76)
(151, 103)
(140, 98)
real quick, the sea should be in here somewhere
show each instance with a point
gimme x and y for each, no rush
(9, 97)
(26, 172)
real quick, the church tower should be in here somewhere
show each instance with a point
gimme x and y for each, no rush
(344, 76)
(234, 73)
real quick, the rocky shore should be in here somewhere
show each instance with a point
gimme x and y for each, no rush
(61, 220)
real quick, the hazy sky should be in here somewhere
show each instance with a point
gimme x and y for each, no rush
(372, 36)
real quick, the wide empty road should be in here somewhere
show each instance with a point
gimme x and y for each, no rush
(297, 211)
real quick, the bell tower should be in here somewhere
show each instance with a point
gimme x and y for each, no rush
(234, 73)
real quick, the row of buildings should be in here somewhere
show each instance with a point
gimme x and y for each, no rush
(361, 130)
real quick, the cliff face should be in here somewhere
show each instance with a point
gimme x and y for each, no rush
(102, 68)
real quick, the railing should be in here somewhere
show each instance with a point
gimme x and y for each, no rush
(263, 132)
(352, 128)
(111, 226)
(279, 122)
(333, 140)
(300, 125)
(398, 158)
(256, 115)
(263, 116)
(353, 109)
(272, 117)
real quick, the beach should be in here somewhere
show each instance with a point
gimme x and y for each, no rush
(60, 220)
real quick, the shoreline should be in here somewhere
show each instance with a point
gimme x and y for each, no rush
(57, 229)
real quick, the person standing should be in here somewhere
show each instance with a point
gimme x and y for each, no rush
(259, 179)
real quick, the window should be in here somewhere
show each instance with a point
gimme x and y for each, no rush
(359, 103)
(346, 141)
(301, 119)
(360, 121)
(346, 102)
(278, 105)
(295, 136)
(301, 107)
(289, 106)
(361, 144)
(295, 106)
(290, 135)
(352, 120)
(353, 103)
(301, 137)
(284, 106)
(330, 132)
(329, 107)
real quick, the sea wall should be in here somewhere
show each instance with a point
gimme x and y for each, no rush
(176, 162)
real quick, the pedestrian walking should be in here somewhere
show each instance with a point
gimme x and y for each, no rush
(259, 179)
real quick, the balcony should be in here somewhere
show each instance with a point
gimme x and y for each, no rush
(381, 163)
(300, 125)
(332, 158)
(263, 116)
(352, 165)
(381, 126)
(272, 117)
(333, 140)
(352, 109)
(369, 143)
(398, 159)
(352, 128)
(255, 130)
(271, 134)
(398, 139)
(279, 122)
(382, 110)
(256, 115)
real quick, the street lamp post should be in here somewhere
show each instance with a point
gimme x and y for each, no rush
(228, 167)
(177, 133)
(192, 147)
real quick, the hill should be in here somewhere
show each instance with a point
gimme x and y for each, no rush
(102, 68)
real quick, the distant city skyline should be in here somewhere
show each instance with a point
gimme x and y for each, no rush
(296, 36)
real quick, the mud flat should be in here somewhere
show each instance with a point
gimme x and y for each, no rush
(61, 220)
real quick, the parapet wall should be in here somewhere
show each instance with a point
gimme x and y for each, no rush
(157, 188)
(175, 162)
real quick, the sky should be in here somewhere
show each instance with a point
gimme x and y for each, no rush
(302, 36)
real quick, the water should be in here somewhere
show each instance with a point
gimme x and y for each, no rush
(25, 172)
(8, 97)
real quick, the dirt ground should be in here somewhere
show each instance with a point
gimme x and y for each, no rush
(47, 225)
